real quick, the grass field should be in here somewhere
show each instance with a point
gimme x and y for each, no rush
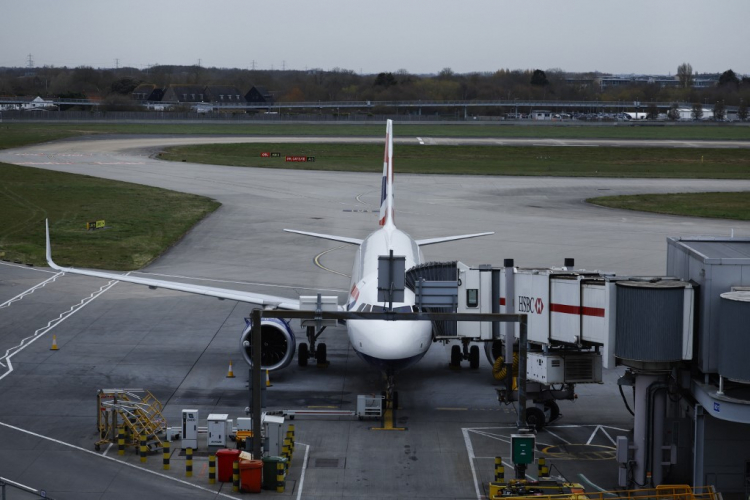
(716, 205)
(27, 133)
(144, 221)
(485, 160)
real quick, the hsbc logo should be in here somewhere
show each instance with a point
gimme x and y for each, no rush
(533, 305)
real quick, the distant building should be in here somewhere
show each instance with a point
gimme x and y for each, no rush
(224, 94)
(184, 93)
(28, 103)
(147, 92)
(541, 114)
(259, 95)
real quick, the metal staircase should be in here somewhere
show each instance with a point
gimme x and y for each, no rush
(136, 410)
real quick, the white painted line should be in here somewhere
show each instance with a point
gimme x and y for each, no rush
(124, 464)
(591, 437)
(31, 290)
(608, 436)
(29, 268)
(504, 440)
(470, 452)
(596, 487)
(304, 469)
(420, 141)
(107, 450)
(558, 437)
(50, 326)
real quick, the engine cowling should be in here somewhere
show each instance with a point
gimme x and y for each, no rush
(278, 344)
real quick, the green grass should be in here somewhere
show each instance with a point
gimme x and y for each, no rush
(484, 160)
(715, 205)
(28, 133)
(143, 221)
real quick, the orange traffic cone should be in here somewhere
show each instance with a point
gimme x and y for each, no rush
(54, 344)
(268, 379)
(230, 373)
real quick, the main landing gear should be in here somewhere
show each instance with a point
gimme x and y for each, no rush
(471, 353)
(319, 352)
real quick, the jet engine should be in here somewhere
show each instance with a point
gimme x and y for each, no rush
(278, 344)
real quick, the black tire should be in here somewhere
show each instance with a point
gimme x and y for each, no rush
(303, 354)
(554, 410)
(535, 418)
(474, 357)
(394, 403)
(321, 354)
(456, 356)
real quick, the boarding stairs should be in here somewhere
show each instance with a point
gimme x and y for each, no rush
(137, 410)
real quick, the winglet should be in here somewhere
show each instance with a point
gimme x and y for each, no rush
(49, 249)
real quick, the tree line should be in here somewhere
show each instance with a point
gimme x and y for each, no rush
(115, 85)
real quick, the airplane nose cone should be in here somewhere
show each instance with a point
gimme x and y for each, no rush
(391, 340)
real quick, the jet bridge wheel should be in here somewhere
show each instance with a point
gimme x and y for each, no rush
(474, 357)
(455, 356)
(554, 410)
(303, 354)
(535, 418)
(321, 354)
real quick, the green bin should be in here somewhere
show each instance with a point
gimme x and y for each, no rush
(269, 472)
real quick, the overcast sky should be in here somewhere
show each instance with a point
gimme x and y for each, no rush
(421, 36)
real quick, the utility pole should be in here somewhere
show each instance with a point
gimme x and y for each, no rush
(117, 63)
(30, 62)
(283, 65)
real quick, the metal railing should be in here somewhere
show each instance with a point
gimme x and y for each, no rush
(11, 490)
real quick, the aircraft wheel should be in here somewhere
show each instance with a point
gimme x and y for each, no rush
(320, 354)
(535, 418)
(456, 356)
(474, 357)
(554, 410)
(394, 402)
(303, 354)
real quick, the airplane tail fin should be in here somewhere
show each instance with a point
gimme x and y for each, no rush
(386, 193)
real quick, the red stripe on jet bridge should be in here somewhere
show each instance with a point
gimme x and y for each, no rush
(502, 301)
(585, 311)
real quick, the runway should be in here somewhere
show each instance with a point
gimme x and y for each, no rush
(178, 346)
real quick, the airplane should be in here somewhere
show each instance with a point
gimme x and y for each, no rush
(390, 346)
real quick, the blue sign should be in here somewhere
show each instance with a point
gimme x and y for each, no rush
(717, 407)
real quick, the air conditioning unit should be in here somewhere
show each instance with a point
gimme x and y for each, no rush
(568, 368)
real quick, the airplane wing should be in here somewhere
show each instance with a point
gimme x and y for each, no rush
(267, 301)
(343, 239)
(432, 241)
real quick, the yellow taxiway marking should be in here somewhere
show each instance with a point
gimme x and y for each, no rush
(317, 261)
(388, 423)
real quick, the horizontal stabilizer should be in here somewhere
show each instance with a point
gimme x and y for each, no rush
(432, 241)
(267, 301)
(343, 239)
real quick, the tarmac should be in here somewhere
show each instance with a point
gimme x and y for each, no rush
(178, 346)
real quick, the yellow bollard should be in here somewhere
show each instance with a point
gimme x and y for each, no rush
(543, 469)
(499, 470)
(212, 469)
(121, 441)
(165, 455)
(235, 476)
(280, 483)
(143, 448)
(189, 462)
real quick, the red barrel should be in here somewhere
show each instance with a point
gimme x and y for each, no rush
(225, 458)
(251, 475)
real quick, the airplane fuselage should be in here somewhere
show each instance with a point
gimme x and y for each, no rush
(388, 345)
